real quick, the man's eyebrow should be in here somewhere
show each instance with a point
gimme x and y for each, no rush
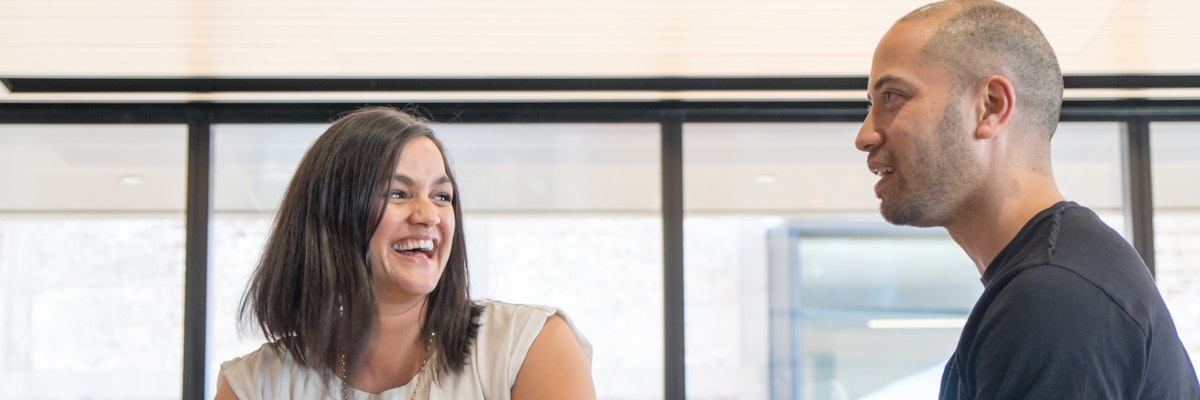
(886, 79)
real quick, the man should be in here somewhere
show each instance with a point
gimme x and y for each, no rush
(965, 96)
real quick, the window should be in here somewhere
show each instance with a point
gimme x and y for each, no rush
(568, 215)
(557, 214)
(796, 288)
(1173, 150)
(783, 248)
(1086, 158)
(91, 261)
(252, 165)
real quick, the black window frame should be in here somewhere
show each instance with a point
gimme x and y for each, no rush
(1134, 115)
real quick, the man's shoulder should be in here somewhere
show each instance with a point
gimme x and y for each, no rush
(1076, 247)
(1053, 299)
(1049, 282)
(1081, 236)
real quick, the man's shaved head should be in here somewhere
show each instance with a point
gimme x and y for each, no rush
(979, 38)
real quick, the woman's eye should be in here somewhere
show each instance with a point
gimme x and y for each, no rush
(396, 195)
(446, 197)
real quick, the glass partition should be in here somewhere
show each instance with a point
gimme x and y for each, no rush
(797, 289)
(557, 214)
(91, 261)
(569, 215)
(252, 165)
(795, 286)
(1087, 165)
(1174, 147)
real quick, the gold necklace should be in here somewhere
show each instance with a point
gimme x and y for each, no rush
(416, 380)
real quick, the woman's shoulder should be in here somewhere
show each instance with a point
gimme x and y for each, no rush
(245, 374)
(514, 326)
(499, 311)
(264, 355)
(266, 369)
(511, 323)
(506, 333)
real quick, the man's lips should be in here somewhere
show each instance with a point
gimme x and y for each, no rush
(879, 168)
(883, 171)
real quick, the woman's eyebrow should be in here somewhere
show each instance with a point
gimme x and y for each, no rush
(404, 179)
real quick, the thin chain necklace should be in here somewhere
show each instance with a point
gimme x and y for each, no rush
(415, 382)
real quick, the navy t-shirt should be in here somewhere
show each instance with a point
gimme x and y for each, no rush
(1069, 311)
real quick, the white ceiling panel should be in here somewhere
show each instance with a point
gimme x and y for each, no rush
(540, 37)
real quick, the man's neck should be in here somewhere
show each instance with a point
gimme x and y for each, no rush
(987, 224)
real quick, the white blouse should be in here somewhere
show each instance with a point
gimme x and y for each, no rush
(506, 333)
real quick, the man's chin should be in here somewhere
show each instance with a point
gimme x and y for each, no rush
(904, 216)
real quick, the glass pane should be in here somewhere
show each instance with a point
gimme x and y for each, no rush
(254, 163)
(555, 168)
(91, 261)
(568, 215)
(1173, 151)
(546, 208)
(1086, 158)
(777, 301)
(874, 324)
(783, 302)
(252, 166)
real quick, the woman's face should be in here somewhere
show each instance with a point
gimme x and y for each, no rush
(411, 245)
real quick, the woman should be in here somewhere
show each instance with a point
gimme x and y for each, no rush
(362, 289)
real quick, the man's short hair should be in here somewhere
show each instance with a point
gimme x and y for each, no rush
(983, 38)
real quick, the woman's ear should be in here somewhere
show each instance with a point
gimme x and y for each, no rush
(996, 102)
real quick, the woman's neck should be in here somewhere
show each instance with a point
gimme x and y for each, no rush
(397, 349)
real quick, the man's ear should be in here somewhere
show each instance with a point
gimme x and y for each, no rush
(996, 102)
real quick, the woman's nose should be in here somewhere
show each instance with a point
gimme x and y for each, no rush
(424, 212)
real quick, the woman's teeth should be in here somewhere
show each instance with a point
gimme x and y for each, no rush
(423, 245)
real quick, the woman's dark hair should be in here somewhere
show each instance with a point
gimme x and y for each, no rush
(311, 294)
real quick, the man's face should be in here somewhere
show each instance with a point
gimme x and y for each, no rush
(915, 132)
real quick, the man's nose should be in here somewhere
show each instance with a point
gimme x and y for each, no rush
(868, 138)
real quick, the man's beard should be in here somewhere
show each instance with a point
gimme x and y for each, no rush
(936, 179)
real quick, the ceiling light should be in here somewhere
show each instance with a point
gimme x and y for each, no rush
(916, 323)
(133, 180)
(766, 178)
